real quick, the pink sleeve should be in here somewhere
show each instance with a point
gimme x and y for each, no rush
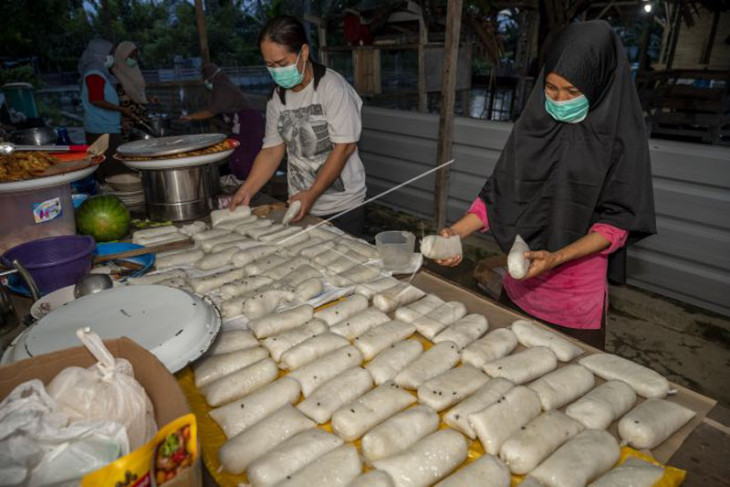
(480, 209)
(616, 236)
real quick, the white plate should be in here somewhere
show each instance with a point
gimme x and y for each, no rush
(47, 181)
(158, 164)
(52, 301)
(125, 182)
(127, 194)
(176, 326)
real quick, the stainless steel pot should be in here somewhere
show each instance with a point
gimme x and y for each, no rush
(34, 136)
(180, 194)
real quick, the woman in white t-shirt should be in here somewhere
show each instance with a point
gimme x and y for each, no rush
(313, 116)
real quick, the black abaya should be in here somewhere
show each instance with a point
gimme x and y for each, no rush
(554, 180)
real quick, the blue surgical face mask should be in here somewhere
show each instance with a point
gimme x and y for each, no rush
(131, 62)
(574, 110)
(109, 61)
(287, 76)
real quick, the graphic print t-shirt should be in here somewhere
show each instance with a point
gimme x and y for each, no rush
(310, 122)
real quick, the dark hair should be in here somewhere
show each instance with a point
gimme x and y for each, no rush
(286, 31)
(289, 32)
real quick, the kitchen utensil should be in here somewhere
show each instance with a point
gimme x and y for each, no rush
(92, 284)
(34, 136)
(179, 194)
(99, 146)
(8, 148)
(146, 126)
(125, 182)
(48, 181)
(141, 263)
(54, 262)
(52, 301)
(176, 326)
(178, 162)
(143, 251)
(396, 248)
(165, 146)
(128, 265)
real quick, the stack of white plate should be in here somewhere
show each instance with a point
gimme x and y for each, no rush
(128, 188)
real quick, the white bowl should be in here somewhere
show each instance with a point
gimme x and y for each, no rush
(125, 182)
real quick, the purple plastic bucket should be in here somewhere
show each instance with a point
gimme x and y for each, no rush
(54, 262)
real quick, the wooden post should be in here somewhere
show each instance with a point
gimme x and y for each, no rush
(466, 93)
(446, 118)
(422, 41)
(202, 31)
(366, 66)
(106, 21)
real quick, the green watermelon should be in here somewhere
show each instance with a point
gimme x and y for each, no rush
(103, 217)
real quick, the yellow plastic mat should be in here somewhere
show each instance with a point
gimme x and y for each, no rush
(212, 437)
(673, 477)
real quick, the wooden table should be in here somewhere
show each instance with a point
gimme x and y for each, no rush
(701, 447)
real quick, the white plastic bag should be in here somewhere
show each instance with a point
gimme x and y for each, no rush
(39, 447)
(106, 390)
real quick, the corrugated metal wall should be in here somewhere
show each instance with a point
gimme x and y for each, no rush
(688, 260)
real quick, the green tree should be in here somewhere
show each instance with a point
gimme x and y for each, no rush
(56, 31)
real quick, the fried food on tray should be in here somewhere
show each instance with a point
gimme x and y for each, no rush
(19, 166)
(220, 147)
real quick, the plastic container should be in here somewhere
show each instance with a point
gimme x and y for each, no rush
(35, 213)
(396, 248)
(21, 98)
(54, 262)
(79, 198)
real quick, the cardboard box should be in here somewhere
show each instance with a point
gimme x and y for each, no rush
(162, 388)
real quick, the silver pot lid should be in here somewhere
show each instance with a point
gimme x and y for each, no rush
(166, 146)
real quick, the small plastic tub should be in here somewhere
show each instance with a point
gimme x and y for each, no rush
(54, 262)
(35, 214)
(396, 248)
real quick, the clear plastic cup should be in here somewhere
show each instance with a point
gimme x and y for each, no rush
(396, 248)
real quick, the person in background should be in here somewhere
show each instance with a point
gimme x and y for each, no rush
(312, 117)
(245, 123)
(131, 86)
(102, 111)
(574, 180)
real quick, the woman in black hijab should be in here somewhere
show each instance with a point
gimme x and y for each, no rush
(245, 123)
(574, 180)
